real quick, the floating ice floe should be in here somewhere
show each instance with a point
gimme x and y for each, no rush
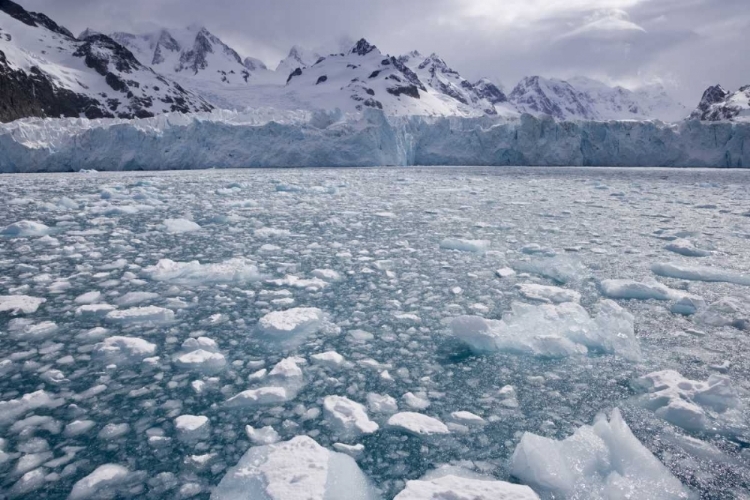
(348, 419)
(727, 311)
(686, 248)
(299, 468)
(476, 246)
(270, 232)
(149, 315)
(330, 359)
(630, 289)
(286, 379)
(454, 487)
(693, 405)
(417, 424)
(253, 398)
(688, 305)
(201, 355)
(134, 298)
(192, 428)
(313, 284)
(179, 226)
(105, 477)
(89, 297)
(326, 274)
(23, 329)
(549, 294)
(25, 229)
(604, 461)
(17, 304)
(14, 408)
(236, 270)
(381, 403)
(262, 436)
(292, 324)
(700, 273)
(94, 310)
(119, 349)
(561, 268)
(552, 331)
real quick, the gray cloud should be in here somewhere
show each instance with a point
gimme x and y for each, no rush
(686, 44)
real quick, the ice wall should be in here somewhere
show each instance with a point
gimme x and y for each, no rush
(232, 140)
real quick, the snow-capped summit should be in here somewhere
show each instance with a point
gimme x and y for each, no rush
(482, 96)
(297, 58)
(253, 64)
(192, 53)
(362, 48)
(583, 98)
(549, 96)
(46, 71)
(719, 104)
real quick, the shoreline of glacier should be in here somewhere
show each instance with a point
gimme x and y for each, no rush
(303, 139)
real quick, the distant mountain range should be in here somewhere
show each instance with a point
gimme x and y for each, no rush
(46, 71)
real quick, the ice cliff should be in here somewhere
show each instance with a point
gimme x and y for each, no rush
(270, 138)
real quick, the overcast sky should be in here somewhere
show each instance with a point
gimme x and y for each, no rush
(685, 44)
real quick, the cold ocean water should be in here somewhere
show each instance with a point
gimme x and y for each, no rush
(147, 319)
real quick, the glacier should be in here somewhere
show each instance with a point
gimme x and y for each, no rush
(276, 138)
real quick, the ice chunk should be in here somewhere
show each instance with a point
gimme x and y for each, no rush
(150, 315)
(686, 248)
(25, 229)
(727, 311)
(192, 428)
(552, 331)
(119, 349)
(688, 305)
(330, 359)
(381, 403)
(178, 226)
(418, 424)
(629, 289)
(353, 450)
(236, 270)
(467, 418)
(270, 232)
(14, 408)
(561, 268)
(700, 273)
(200, 354)
(505, 272)
(326, 274)
(290, 280)
(299, 468)
(16, 304)
(548, 294)
(690, 404)
(416, 402)
(291, 324)
(253, 398)
(476, 246)
(105, 477)
(94, 310)
(265, 435)
(347, 418)
(89, 297)
(453, 487)
(601, 461)
(133, 298)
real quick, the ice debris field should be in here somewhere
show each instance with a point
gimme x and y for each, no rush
(445, 333)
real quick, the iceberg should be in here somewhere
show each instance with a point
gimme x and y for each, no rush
(274, 472)
(603, 461)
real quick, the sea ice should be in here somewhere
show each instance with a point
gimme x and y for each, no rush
(476, 246)
(291, 324)
(119, 349)
(686, 248)
(418, 424)
(727, 311)
(561, 268)
(105, 477)
(630, 289)
(25, 229)
(548, 294)
(262, 436)
(690, 404)
(552, 331)
(603, 461)
(453, 487)
(192, 428)
(700, 273)
(254, 398)
(179, 226)
(299, 468)
(14, 408)
(347, 418)
(237, 270)
(16, 304)
(150, 315)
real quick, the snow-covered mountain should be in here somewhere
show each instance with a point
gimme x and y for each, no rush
(586, 99)
(193, 53)
(298, 58)
(719, 104)
(443, 80)
(46, 71)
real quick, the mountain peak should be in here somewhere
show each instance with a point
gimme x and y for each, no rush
(87, 33)
(362, 48)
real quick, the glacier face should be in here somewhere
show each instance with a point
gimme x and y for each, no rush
(275, 139)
